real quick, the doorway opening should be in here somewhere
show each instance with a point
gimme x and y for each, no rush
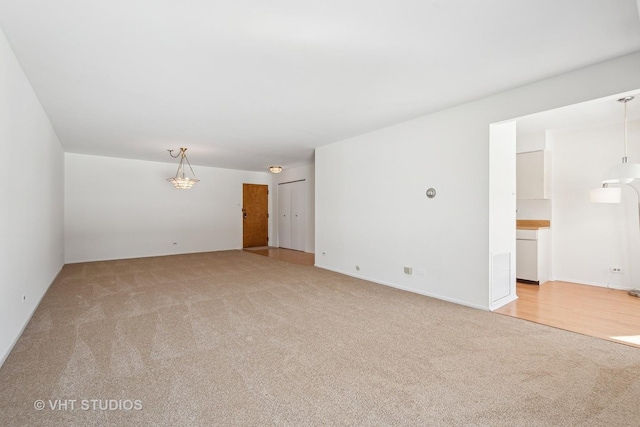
(586, 239)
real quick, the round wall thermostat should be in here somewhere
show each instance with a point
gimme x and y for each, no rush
(431, 193)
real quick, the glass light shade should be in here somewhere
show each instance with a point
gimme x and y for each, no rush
(622, 173)
(183, 183)
(605, 195)
(275, 169)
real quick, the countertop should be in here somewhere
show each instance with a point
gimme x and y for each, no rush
(532, 224)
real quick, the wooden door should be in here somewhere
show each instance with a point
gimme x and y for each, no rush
(255, 214)
(292, 215)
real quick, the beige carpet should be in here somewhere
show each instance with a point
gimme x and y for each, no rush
(233, 338)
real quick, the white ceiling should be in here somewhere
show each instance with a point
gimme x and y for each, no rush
(592, 114)
(249, 83)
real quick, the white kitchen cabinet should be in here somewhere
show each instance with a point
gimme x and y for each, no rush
(532, 255)
(533, 171)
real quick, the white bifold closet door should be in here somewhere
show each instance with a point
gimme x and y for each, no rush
(292, 198)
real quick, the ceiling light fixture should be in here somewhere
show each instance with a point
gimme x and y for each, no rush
(275, 169)
(181, 181)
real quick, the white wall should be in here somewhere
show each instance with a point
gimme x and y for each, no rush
(306, 172)
(121, 208)
(587, 237)
(373, 217)
(502, 187)
(31, 201)
(371, 208)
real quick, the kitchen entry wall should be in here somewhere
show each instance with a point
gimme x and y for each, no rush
(373, 218)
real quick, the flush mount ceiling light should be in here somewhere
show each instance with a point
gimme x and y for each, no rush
(181, 181)
(275, 169)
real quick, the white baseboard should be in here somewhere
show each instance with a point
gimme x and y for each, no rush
(588, 283)
(24, 326)
(404, 288)
(502, 302)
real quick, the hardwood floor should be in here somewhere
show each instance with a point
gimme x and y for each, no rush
(590, 310)
(287, 255)
(605, 313)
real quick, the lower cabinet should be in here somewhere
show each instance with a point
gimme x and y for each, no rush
(532, 255)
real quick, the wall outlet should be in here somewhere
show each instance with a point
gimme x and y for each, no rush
(408, 270)
(421, 272)
(615, 270)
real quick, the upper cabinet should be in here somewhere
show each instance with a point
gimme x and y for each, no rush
(533, 171)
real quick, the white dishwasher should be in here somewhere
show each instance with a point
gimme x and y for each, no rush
(527, 256)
